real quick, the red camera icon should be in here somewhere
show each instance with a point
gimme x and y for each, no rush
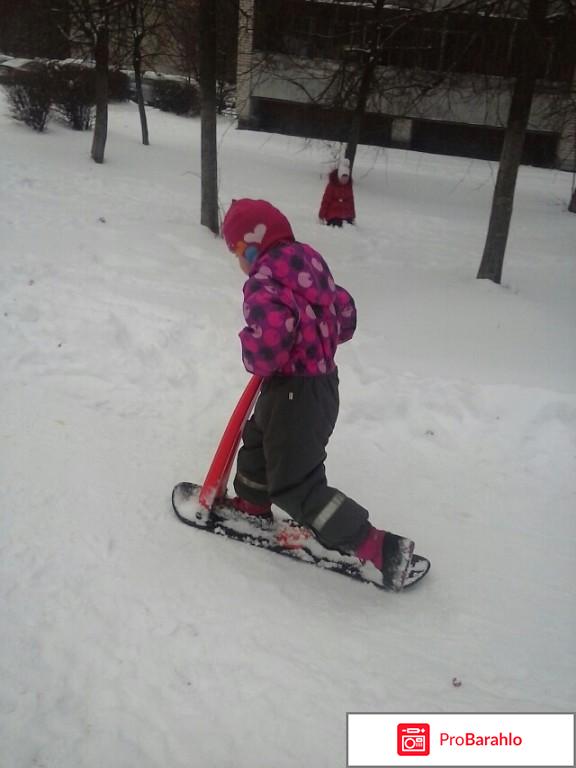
(413, 739)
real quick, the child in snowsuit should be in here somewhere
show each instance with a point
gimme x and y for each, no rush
(295, 317)
(338, 199)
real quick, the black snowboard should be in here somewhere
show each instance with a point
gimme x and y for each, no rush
(281, 535)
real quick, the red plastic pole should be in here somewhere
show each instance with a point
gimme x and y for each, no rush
(217, 478)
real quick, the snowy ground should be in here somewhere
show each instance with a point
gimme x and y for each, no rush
(130, 641)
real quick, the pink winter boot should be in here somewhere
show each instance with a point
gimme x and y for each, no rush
(391, 554)
(371, 548)
(261, 511)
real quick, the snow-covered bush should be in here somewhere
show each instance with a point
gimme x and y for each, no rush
(175, 96)
(30, 97)
(119, 86)
(225, 98)
(74, 94)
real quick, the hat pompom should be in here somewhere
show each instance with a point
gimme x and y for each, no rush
(344, 168)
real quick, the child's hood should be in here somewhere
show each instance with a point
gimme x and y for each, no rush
(255, 225)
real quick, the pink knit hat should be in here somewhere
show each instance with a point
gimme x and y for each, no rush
(250, 227)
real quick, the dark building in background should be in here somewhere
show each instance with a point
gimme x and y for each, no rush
(442, 82)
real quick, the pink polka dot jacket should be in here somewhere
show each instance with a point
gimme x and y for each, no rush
(295, 313)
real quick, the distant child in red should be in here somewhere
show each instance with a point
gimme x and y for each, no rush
(338, 200)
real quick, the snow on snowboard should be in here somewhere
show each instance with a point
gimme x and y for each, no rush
(281, 535)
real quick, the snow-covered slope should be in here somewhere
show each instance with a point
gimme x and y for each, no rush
(130, 641)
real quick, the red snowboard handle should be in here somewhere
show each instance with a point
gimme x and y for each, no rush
(217, 478)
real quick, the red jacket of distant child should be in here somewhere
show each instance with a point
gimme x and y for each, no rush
(338, 199)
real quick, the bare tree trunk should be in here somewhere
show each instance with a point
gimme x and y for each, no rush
(101, 53)
(370, 64)
(209, 150)
(360, 110)
(137, 64)
(503, 198)
(511, 155)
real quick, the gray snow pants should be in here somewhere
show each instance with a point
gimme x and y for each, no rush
(283, 453)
